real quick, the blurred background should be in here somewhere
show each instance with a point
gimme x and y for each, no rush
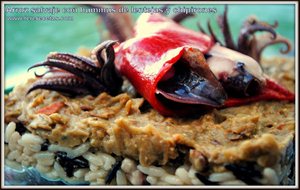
(29, 42)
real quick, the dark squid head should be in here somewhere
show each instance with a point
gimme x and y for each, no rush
(242, 84)
(239, 74)
(190, 81)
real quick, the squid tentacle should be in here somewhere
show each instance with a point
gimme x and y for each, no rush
(101, 56)
(223, 23)
(66, 89)
(200, 28)
(249, 29)
(182, 16)
(212, 34)
(83, 62)
(120, 27)
(84, 75)
(49, 71)
(109, 76)
(73, 61)
(60, 81)
(90, 79)
(265, 40)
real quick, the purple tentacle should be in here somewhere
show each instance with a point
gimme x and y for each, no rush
(223, 23)
(250, 27)
(214, 37)
(182, 16)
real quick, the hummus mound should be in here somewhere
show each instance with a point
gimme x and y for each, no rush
(255, 132)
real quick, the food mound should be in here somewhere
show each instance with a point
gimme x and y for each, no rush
(76, 127)
(111, 140)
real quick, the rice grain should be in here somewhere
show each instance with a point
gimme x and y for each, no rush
(93, 159)
(271, 175)
(80, 173)
(128, 165)
(233, 182)
(152, 180)
(121, 178)
(9, 130)
(171, 179)
(183, 175)
(221, 177)
(136, 178)
(152, 171)
(13, 141)
(42, 168)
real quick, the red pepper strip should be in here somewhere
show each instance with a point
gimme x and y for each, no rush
(158, 44)
(52, 108)
(271, 91)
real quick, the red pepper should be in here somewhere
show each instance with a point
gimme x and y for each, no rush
(145, 59)
(52, 108)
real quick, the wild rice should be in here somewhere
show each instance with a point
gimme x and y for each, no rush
(25, 149)
(71, 153)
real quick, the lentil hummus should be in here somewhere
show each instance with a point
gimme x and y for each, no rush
(260, 133)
